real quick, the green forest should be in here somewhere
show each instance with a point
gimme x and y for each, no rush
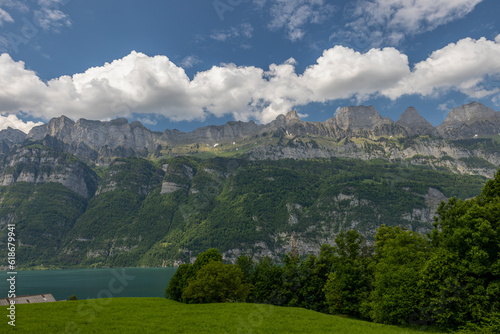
(251, 207)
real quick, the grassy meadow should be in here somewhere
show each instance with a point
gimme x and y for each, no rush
(158, 315)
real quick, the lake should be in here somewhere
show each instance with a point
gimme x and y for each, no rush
(91, 283)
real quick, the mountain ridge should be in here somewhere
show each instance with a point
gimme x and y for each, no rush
(92, 193)
(352, 118)
(100, 141)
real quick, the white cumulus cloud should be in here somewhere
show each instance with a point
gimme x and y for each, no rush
(463, 66)
(138, 84)
(16, 123)
(343, 73)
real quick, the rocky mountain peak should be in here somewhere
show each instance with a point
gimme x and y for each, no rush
(100, 140)
(14, 135)
(59, 126)
(470, 112)
(118, 121)
(137, 124)
(82, 122)
(415, 124)
(359, 118)
(61, 121)
(412, 117)
(292, 116)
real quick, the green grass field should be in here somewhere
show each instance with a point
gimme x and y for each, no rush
(158, 315)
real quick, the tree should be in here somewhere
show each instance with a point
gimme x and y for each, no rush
(266, 281)
(247, 266)
(314, 271)
(400, 255)
(348, 287)
(179, 282)
(462, 277)
(216, 282)
(292, 279)
(206, 257)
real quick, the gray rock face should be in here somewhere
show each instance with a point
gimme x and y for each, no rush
(468, 112)
(98, 136)
(360, 118)
(211, 134)
(469, 121)
(37, 165)
(416, 124)
(292, 116)
(351, 121)
(57, 127)
(93, 140)
(291, 125)
(169, 187)
(96, 141)
(9, 138)
(13, 135)
(436, 152)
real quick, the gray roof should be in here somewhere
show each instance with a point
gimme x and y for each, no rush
(46, 298)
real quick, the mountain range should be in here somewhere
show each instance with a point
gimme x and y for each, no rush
(93, 194)
(99, 142)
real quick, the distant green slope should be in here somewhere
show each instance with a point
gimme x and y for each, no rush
(157, 315)
(44, 215)
(154, 213)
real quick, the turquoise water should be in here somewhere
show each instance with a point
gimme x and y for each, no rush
(91, 283)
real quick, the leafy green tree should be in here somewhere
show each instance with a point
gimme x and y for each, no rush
(247, 266)
(400, 255)
(314, 271)
(349, 285)
(206, 257)
(292, 280)
(266, 281)
(179, 282)
(216, 282)
(462, 278)
(297, 283)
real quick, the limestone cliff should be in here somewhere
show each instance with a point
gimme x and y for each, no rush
(100, 142)
(469, 121)
(41, 165)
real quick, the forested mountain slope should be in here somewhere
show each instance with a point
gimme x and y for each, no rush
(165, 212)
(92, 193)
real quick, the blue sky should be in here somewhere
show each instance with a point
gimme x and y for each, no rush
(185, 64)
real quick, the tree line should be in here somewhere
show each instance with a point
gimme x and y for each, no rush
(449, 278)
